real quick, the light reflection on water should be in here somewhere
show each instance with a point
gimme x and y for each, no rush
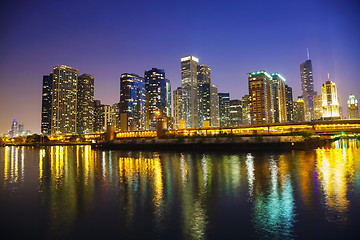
(186, 195)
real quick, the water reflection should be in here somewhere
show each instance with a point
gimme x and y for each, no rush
(184, 194)
(13, 170)
(335, 173)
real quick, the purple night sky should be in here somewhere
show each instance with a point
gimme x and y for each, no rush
(107, 38)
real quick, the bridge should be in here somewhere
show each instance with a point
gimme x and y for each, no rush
(334, 127)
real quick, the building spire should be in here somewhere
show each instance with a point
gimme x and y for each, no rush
(328, 76)
(307, 53)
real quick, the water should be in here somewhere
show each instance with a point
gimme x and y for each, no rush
(76, 192)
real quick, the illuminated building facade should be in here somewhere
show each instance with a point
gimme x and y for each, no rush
(132, 101)
(317, 99)
(203, 74)
(307, 87)
(299, 110)
(181, 107)
(156, 96)
(260, 91)
(46, 104)
(64, 100)
(85, 104)
(168, 97)
(235, 112)
(97, 116)
(115, 116)
(224, 109)
(208, 105)
(279, 98)
(289, 103)
(189, 83)
(330, 101)
(246, 117)
(352, 107)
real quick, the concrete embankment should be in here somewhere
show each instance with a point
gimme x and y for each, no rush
(249, 143)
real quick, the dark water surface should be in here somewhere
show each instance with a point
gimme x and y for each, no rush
(76, 192)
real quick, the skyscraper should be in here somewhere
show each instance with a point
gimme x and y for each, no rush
(115, 116)
(132, 102)
(352, 107)
(64, 100)
(299, 110)
(330, 101)
(246, 117)
(235, 112)
(190, 84)
(203, 74)
(46, 104)
(289, 103)
(85, 104)
(181, 108)
(317, 99)
(307, 87)
(279, 98)
(260, 91)
(224, 109)
(168, 97)
(208, 105)
(156, 96)
(98, 117)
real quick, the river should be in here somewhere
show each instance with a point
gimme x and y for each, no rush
(75, 192)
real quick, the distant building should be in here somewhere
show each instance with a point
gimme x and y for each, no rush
(115, 116)
(181, 108)
(98, 117)
(299, 110)
(208, 105)
(246, 117)
(330, 101)
(14, 130)
(224, 109)
(317, 99)
(156, 94)
(85, 104)
(46, 104)
(235, 112)
(352, 107)
(168, 97)
(279, 97)
(289, 103)
(132, 102)
(307, 87)
(189, 83)
(260, 91)
(64, 100)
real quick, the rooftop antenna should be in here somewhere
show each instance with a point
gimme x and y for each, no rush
(328, 76)
(308, 55)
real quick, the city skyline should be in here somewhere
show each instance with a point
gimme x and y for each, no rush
(329, 51)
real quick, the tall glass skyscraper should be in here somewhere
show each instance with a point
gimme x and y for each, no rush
(189, 83)
(64, 100)
(208, 105)
(132, 102)
(168, 97)
(156, 94)
(260, 91)
(181, 108)
(85, 104)
(307, 87)
(46, 104)
(224, 109)
(289, 103)
(279, 97)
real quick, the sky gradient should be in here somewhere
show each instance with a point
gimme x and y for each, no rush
(107, 38)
